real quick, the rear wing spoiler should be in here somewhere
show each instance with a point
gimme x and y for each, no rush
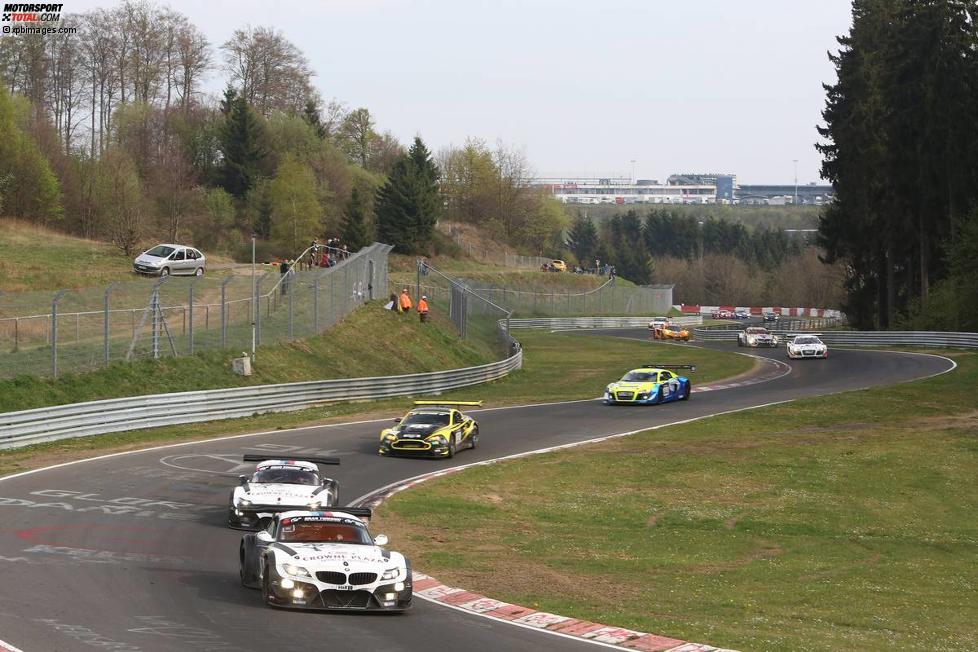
(793, 335)
(359, 512)
(250, 457)
(450, 403)
(691, 367)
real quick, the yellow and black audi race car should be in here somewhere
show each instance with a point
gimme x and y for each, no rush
(431, 429)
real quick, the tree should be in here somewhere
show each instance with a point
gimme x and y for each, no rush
(120, 200)
(241, 141)
(583, 240)
(357, 135)
(408, 205)
(296, 213)
(311, 115)
(355, 235)
(270, 71)
(30, 190)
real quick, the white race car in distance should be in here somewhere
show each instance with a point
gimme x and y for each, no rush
(324, 560)
(280, 485)
(807, 346)
(757, 336)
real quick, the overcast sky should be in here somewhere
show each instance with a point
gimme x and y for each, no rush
(583, 88)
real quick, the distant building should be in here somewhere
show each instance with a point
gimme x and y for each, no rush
(686, 188)
(623, 191)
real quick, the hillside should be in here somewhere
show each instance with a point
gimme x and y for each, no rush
(34, 257)
(369, 342)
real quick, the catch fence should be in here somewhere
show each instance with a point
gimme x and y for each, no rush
(48, 334)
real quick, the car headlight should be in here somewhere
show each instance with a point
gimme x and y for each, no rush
(315, 504)
(438, 439)
(390, 574)
(389, 436)
(298, 571)
(244, 502)
(642, 395)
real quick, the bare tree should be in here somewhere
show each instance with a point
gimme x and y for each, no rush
(194, 59)
(270, 71)
(357, 135)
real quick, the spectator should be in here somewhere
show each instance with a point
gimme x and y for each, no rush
(283, 269)
(405, 301)
(392, 304)
(423, 309)
(597, 266)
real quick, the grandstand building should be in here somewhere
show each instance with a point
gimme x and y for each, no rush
(687, 188)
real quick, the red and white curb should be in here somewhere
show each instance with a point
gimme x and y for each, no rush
(430, 589)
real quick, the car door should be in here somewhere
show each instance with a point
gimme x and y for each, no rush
(178, 262)
(670, 384)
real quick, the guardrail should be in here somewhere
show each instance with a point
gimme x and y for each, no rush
(859, 338)
(597, 322)
(47, 424)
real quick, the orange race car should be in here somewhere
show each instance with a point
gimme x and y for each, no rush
(663, 330)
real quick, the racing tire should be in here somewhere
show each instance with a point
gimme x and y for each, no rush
(451, 448)
(248, 568)
(474, 438)
(199, 271)
(687, 388)
(164, 272)
(266, 590)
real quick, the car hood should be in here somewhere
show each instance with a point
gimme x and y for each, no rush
(143, 259)
(417, 429)
(275, 494)
(631, 386)
(321, 556)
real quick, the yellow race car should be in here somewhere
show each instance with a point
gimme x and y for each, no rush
(432, 429)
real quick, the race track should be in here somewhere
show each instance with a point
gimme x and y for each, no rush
(130, 552)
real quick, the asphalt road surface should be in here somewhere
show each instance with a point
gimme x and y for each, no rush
(131, 552)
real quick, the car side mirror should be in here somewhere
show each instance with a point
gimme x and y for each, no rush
(397, 419)
(242, 479)
(264, 536)
(381, 539)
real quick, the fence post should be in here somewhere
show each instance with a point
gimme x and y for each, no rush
(54, 331)
(224, 322)
(105, 321)
(315, 305)
(190, 308)
(291, 291)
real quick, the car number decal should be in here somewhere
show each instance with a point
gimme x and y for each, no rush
(344, 587)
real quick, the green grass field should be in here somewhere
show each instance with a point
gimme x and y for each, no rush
(842, 522)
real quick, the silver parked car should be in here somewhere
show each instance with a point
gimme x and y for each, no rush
(166, 259)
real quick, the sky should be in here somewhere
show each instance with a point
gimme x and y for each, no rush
(581, 88)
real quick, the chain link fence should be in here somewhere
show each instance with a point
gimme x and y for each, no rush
(43, 333)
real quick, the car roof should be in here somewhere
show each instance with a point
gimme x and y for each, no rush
(299, 464)
(657, 369)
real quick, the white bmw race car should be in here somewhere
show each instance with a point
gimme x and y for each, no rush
(280, 485)
(324, 560)
(757, 336)
(807, 346)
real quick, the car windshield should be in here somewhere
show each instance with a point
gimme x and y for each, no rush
(638, 377)
(807, 340)
(324, 531)
(160, 251)
(757, 331)
(287, 475)
(426, 419)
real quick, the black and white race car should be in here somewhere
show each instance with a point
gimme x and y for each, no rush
(280, 485)
(324, 560)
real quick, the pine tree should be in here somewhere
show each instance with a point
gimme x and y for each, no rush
(355, 234)
(582, 240)
(408, 205)
(311, 115)
(242, 148)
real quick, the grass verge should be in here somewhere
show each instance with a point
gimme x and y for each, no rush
(841, 522)
(370, 341)
(556, 367)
